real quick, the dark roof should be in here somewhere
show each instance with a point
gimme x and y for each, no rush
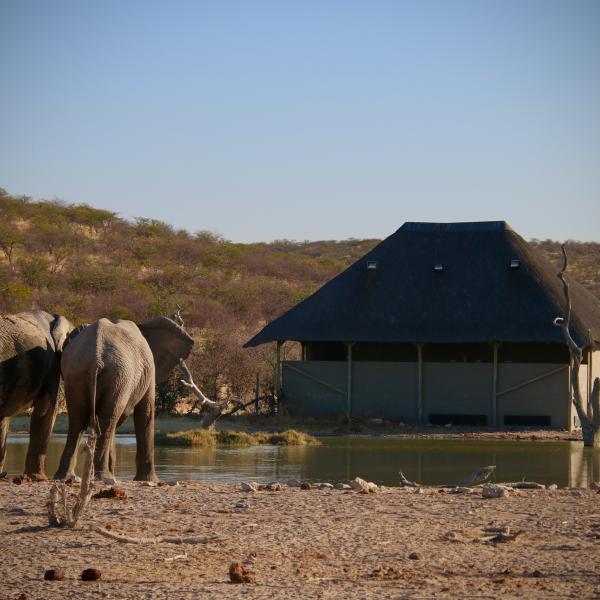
(477, 297)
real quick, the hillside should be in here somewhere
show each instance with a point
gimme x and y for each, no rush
(86, 263)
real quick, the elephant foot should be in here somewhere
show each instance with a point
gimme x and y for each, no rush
(35, 477)
(107, 478)
(146, 477)
(72, 478)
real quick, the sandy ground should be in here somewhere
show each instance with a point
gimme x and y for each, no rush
(306, 544)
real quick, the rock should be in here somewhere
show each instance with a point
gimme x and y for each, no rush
(241, 505)
(360, 485)
(172, 483)
(419, 490)
(54, 575)
(325, 486)
(293, 483)
(305, 486)
(494, 491)
(90, 574)
(576, 493)
(595, 485)
(149, 484)
(246, 486)
(275, 486)
(414, 556)
(239, 574)
(552, 486)
(109, 481)
(372, 487)
(342, 486)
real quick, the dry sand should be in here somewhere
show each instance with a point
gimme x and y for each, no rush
(306, 544)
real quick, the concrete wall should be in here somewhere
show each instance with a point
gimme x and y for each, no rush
(390, 390)
(457, 388)
(385, 389)
(549, 396)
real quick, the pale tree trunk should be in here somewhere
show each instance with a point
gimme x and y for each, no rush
(210, 410)
(589, 415)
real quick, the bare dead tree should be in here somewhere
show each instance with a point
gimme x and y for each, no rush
(210, 410)
(589, 415)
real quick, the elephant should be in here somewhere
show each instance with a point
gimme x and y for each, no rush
(30, 347)
(110, 369)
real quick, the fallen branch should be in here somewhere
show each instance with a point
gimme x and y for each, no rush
(168, 539)
(475, 478)
(59, 512)
(405, 482)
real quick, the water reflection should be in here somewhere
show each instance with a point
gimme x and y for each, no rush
(340, 458)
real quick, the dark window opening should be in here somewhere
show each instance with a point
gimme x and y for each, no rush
(439, 419)
(325, 351)
(384, 352)
(528, 420)
(458, 353)
(533, 353)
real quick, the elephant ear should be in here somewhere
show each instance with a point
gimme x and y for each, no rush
(60, 330)
(169, 342)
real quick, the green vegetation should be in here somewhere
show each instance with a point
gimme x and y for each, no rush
(205, 438)
(88, 263)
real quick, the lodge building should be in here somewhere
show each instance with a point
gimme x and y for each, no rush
(439, 323)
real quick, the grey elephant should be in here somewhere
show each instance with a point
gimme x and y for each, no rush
(110, 370)
(30, 348)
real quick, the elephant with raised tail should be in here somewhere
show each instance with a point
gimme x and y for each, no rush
(110, 370)
(30, 347)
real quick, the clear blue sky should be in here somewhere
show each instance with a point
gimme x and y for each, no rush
(307, 120)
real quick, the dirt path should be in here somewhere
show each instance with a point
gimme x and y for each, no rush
(307, 544)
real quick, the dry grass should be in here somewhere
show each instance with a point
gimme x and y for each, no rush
(205, 438)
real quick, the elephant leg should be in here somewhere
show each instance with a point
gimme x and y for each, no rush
(143, 418)
(112, 462)
(4, 422)
(104, 448)
(78, 421)
(40, 428)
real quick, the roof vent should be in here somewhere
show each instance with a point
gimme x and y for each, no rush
(438, 268)
(372, 265)
(515, 263)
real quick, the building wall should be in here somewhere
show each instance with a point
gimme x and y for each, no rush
(457, 389)
(385, 390)
(547, 397)
(390, 390)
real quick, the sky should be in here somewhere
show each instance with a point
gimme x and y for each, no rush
(310, 119)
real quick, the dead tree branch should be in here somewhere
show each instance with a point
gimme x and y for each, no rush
(59, 512)
(169, 539)
(589, 416)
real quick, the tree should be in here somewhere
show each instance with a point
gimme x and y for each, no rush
(589, 416)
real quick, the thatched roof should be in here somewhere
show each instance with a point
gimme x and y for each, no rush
(476, 296)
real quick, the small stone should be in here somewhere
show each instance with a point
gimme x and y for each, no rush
(305, 486)
(576, 493)
(275, 486)
(149, 484)
(360, 485)
(293, 483)
(372, 487)
(419, 490)
(537, 574)
(248, 486)
(595, 485)
(54, 575)
(173, 483)
(342, 486)
(90, 574)
(414, 556)
(552, 486)
(494, 491)
(325, 486)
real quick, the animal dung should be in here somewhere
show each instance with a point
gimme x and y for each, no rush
(113, 493)
(54, 575)
(90, 574)
(239, 574)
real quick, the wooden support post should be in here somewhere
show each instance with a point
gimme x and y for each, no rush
(420, 384)
(257, 392)
(349, 383)
(571, 413)
(494, 408)
(278, 371)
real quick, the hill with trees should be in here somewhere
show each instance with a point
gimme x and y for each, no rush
(87, 263)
